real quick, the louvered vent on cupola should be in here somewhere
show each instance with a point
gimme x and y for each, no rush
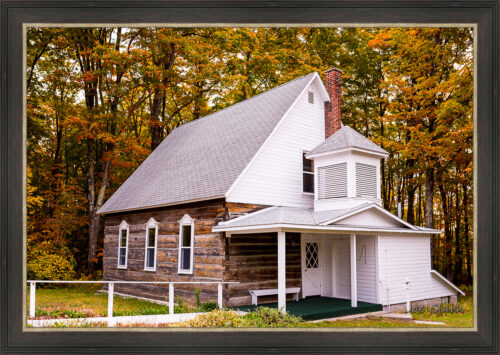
(366, 180)
(332, 181)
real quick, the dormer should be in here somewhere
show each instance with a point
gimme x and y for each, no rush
(346, 170)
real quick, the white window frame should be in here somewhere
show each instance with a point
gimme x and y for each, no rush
(123, 226)
(151, 224)
(302, 152)
(186, 221)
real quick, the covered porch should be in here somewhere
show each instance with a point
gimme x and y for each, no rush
(328, 271)
(335, 255)
(325, 267)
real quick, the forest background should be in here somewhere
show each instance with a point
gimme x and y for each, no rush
(99, 100)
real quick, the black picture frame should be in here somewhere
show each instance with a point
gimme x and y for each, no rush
(483, 14)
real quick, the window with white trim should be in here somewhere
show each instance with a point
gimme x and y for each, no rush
(151, 245)
(310, 97)
(186, 245)
(122, 245)
(307, 174)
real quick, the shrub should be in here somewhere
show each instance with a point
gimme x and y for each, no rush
(215, 319)
(270, 317)
(261, 317)
(44, 263)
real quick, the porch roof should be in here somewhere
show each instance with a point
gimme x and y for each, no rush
(294, 218)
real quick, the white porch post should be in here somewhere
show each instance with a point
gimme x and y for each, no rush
(219, 295)
(281, 272)
(32, 299)
(354, 285)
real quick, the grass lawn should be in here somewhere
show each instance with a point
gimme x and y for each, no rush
(454, 319)
(451, 320)
(84, 301)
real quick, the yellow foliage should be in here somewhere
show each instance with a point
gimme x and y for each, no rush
(33, 201)
(217, 318)
(44, 263)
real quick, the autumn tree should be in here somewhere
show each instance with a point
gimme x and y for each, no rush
(100, 99)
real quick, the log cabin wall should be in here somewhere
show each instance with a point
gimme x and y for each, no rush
(209, 249)
(252, 259)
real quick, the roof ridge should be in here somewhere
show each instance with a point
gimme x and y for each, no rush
(362, 135)
(350, 139)
(246, 100)
(350, 142)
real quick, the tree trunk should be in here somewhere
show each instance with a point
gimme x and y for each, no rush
(429, 211)
(92, 212)
(410, 214)
(419, 206)
(410, 190)
(156, 128)
(157, 131)
(458, 269)
(385, 187)
(429, 198)
(447, 232)
(468, 240)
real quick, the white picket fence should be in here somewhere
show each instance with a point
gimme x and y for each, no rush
(111, 285)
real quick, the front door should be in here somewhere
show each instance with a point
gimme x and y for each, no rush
(312, 274)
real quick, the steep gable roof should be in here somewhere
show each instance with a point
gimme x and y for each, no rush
(201, 159)
(344, 138)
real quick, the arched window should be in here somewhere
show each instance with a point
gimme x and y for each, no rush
(122, 245)
(186, 245)
(151, 245)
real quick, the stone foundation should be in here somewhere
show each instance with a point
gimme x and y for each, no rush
(401, 307)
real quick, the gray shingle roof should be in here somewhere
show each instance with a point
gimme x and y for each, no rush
(344, 138)
(303, 217)
(288, 215)
(202, 159)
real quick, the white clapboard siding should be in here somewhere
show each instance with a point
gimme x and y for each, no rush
(402, 257)
(366, 180)
(343, 269)
(274, 177)
(366, 270)
(327, 267)
(440, 289)
(332, 180)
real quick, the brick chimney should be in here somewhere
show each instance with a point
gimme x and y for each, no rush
(333, 84)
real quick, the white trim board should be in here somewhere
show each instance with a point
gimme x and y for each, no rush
(318, 229)
(348, 149)
(365, 208)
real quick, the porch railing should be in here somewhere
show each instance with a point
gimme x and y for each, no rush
(111, 285)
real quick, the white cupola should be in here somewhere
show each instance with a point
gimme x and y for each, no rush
(346, 170)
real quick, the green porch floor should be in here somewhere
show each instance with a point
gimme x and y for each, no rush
(314, 308)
